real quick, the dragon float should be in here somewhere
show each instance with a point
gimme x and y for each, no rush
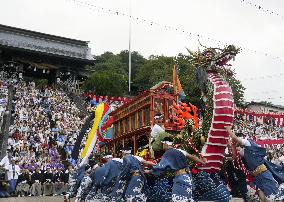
(212, 75)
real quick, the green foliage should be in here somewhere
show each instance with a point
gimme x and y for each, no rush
(137, 60)
(187, 78)
(107, 83)
(116, 67)
(110, 62)
(153, 71)
(238, 90)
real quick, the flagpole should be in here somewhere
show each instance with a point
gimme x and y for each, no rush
(129, 51)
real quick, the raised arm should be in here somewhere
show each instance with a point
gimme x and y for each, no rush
(196, 159)
(148, 162)
(233, 135)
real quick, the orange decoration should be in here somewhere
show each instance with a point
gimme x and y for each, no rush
(184, 113)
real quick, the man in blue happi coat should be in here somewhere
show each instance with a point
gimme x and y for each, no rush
(104, 179)
(176, 161)
(130, 184)
(267, 176)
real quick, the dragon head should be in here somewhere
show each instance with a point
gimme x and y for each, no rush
(227, 54)
(214, 59)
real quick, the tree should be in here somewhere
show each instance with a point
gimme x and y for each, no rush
(106, 82)
(118, 63)
(137, 60)
(154, 70)
(109, 61)
(238, 90)
(186, 73)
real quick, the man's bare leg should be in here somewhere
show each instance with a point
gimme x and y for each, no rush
(262, 196)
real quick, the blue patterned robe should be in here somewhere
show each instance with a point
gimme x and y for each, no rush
(159, 187)
(210, 188)
(172, 161)
(104, 179)
(85, 187)
(128, 187)
(269, 180)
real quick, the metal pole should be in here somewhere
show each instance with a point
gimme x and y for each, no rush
(129, 51)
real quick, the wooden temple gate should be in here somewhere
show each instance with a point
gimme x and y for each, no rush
(133, 120)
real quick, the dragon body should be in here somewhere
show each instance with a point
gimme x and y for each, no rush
(212, 71)
(223, 115)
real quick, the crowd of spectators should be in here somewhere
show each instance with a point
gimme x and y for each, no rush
(3, 99)
(45, 124)
(265, 130)
(276, 154)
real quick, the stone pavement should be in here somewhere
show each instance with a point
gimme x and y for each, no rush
(53, 199)
(35, 199)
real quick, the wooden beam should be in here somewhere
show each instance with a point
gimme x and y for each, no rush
(135, 144)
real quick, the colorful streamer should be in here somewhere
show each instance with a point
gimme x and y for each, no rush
(92, 136)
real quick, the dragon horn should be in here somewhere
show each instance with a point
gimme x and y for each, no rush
(190, 52)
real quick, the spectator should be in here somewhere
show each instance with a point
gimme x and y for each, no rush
(13, 172)
(36, 180)
(48, 183)
(24, 182)
(59, 186)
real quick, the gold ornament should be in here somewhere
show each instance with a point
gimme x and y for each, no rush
(202, 140)
(193, 128)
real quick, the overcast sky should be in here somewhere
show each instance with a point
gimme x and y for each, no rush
(230, 21)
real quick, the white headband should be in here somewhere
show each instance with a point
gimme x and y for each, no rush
(167, 142)
(158, 117)
(126, 151)
(107, 156)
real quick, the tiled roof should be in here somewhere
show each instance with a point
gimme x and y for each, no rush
(266, 104)
(44, 43)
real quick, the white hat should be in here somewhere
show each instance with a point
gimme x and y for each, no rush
(107, 156)
(167, 142)
(158, 116)
(126, 151)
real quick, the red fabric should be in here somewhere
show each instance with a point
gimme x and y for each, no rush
(214, 158)
(219, 126)
(224, 103)
(108, 123)
(222, 96)
(215, 149)
(212, 164)
(194, 171)
(224, 111)
(217, 140)
(269, 142)
(250, 179)
(223, 88)
(223, 118)
(218, 133)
